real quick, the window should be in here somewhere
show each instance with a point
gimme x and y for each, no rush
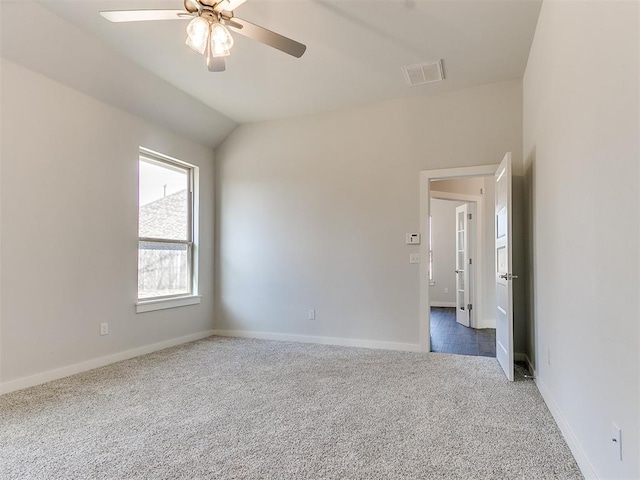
(166, 240)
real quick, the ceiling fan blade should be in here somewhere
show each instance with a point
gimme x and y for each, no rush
(144, 15)
(216, 64)
(268, 37)
(228, 5)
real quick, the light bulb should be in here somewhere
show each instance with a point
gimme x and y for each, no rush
(221, 40)
(198, 33)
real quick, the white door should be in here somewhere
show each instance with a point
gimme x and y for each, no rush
(462, 265)
(504, 274)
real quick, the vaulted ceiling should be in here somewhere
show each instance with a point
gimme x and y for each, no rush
(355, 51)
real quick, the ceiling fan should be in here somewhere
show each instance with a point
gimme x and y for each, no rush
(208, 31)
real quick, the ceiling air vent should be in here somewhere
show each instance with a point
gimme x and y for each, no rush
(423, 73)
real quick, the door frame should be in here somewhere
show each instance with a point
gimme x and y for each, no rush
(425, 209)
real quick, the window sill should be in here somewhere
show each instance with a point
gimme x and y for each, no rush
(164, 303)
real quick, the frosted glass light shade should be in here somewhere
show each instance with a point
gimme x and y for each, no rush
(198, 34)
(221, 40)
(218, 51)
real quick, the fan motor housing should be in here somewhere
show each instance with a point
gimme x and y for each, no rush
(191, 7)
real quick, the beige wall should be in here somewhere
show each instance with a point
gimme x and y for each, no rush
(69, 228)
(312, 212)
(468, 186)
(582, 150)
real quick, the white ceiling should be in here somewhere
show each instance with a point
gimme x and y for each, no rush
(355, 50)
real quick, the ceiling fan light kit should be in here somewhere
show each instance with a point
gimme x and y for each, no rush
(198, 34)
(208, 31)
(203, 31)
(221, 40)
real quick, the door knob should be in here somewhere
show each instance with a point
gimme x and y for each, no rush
(508, 276)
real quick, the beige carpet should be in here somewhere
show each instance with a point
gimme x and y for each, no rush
(249, 409)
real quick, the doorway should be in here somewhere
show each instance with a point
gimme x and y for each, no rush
(425, 206)
(504, 258)
(460, 220)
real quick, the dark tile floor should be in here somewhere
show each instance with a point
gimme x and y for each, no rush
(448, 336)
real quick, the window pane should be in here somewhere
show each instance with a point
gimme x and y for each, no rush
(163, 269)
(461, 280)
(164, 201)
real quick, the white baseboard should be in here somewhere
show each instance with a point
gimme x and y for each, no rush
(443, 304)
(486, 323)
(58, 373)
(574, 445)
(344, 342)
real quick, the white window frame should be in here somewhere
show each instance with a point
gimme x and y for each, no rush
(191, 298)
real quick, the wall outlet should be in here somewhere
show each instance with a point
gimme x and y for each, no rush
(104, 328)
(312, 314)
(616, 439)
(414, 258)
(446, 290)
(549, 356)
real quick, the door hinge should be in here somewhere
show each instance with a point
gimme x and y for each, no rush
(470, 216)
(469, 307)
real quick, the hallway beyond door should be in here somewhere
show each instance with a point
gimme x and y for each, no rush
(448, 336)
